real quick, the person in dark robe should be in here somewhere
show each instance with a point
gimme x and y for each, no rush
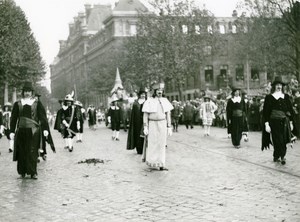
(235, 110)
(254, 115)
(92, 117)
(28, 123)
(114, 118)
(58, 123)
(135, 139)
(70, 119)
(6, 124)
(278, 118)
(296, 105)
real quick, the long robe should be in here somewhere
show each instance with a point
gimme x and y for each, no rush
(280, 127)
(28, 138)
(235, 123)
(156, 109)
(135, 140)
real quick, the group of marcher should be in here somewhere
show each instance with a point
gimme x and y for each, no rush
(280, 118)
(152, 119)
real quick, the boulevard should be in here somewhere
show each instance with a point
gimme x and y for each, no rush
(207, 180)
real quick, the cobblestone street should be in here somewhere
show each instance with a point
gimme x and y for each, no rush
(208, 180)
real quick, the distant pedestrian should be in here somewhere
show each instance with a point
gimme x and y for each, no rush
(296, 105)
(92, 117)
(6, 124)
(175, 115)
(157, 126)
(278, 116)
(188, 114)
(70, 119)
(28, 124)
(234, 111)
(114, 118)
(135, 139)
(207, 113)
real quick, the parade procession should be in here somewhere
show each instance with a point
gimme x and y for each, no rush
(150, 111)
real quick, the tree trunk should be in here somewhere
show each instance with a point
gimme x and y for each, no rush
(6, 93)
(14, 97)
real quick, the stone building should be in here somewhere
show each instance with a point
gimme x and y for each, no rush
(100, 28)
(92, 34)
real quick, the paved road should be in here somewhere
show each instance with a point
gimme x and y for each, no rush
(208, 180)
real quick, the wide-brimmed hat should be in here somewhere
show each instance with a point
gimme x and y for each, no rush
(27, 86)
(278, 79)
(7, 104)
(69, 98)
(78, 103)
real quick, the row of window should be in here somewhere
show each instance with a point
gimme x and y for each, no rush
(224, 73)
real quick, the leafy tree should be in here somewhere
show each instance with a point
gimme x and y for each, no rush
(20, 57)
(273, 40)
(168, 46)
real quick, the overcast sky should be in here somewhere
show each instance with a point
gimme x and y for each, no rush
(49, 20)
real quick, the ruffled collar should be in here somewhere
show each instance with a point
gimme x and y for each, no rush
(278, 95)
(236, 99)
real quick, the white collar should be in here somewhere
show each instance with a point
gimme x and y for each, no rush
(115, 107)
(27, 101)
(236, 99)
(278, 95)
(141, 101)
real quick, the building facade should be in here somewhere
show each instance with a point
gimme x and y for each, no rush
(101, 29)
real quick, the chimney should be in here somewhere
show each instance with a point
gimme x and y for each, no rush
(71, 27)
(88, 9)
(234, 13)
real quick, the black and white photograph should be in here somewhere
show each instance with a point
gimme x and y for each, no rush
(150, 110)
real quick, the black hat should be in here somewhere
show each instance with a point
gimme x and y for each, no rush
(27, 86)
(278, 79)
(142, 90)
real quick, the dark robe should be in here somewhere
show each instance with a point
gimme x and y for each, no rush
(135, 139)
(115, 117)
(297, 116)
(235, 122)
(28, 138)
(92, 117)
(57, 124)
(280, 127)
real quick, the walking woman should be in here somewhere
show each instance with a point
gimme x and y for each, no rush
(28, 124)
(278, 117)
(235, 121)
(135, 139)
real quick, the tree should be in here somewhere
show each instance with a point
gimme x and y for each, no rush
(168, 46)
(273, 37)
(20, 57)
